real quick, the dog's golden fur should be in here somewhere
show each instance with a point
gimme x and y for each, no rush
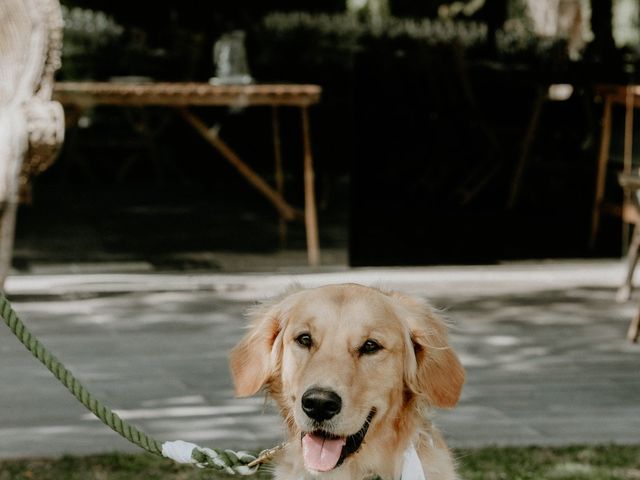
(415, 370)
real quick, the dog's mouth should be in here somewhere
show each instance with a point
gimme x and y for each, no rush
(323, 451)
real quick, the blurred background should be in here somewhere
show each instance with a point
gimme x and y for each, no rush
(437, 139)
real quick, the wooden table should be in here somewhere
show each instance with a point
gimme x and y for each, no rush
(182, 96)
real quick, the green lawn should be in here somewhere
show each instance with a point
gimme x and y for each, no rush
(570, 463)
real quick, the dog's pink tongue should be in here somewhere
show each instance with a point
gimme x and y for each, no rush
(321, 454)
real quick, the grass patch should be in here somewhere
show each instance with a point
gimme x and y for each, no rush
(609, 462)
(569, 463)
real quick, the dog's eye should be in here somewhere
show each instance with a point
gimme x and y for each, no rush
(369, 347)
(304, 340)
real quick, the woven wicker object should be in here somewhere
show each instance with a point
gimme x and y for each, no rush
(31, 125)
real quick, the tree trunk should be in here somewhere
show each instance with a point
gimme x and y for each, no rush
(603, 47)
(494, 13)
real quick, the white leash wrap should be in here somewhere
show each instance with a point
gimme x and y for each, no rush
(412, 467)
(178, 451)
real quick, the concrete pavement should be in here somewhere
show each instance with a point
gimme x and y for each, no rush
(543, 343)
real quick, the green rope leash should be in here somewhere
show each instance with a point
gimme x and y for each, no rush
(227, 461)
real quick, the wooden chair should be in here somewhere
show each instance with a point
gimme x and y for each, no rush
(31, 125)
(631, 185)
(629, 97)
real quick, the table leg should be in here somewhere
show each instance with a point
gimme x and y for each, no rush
(628, 161)
(277, 154)
(628, 132)
(527, 142)
(601, 171)
(310, 211)
(285, 210)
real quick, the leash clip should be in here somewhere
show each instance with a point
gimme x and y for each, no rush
(266, 455)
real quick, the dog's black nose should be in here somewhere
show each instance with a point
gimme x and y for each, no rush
(321, 404)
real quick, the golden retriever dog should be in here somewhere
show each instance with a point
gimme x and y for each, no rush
(355, 372)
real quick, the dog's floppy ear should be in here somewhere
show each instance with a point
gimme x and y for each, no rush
(433, 370)
(254, 361)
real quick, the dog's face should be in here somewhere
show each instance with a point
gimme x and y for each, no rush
(348, 366)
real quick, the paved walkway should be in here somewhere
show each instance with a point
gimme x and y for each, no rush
(544, 346)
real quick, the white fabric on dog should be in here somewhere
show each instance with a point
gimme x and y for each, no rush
(412, 467)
